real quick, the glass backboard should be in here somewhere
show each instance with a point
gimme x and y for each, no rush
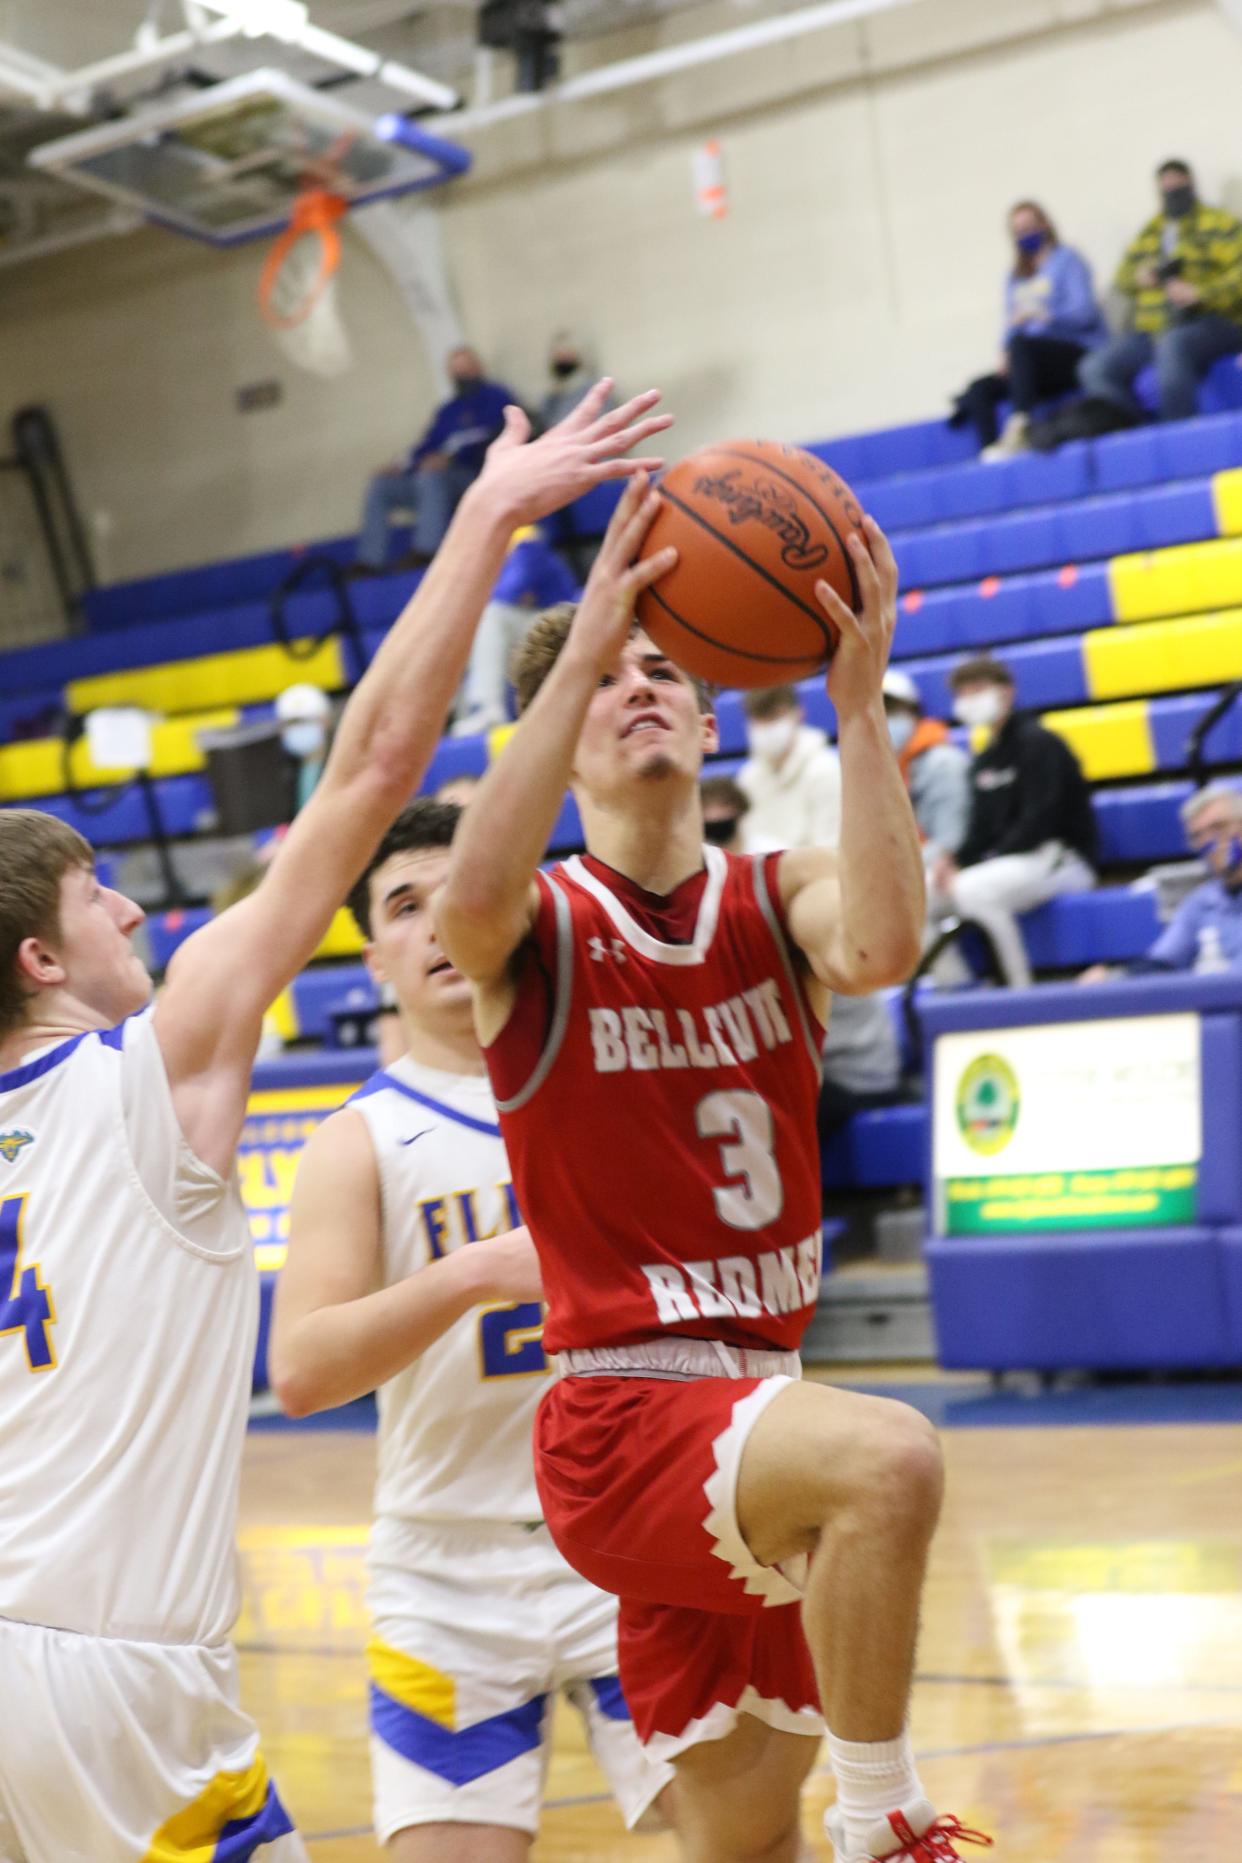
(226, 165)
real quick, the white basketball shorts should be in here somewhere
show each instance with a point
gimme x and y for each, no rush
(116, 1752)
(476, 1627)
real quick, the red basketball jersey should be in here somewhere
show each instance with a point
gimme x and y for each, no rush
(658, 1103)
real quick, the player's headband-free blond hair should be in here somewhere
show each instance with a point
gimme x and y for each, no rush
(541, 650)
(36, 852)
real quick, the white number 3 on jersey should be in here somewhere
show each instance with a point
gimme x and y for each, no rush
(742, 1123)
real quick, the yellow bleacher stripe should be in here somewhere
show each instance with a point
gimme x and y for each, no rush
(244, 676)
(342, 938)
(497, 738)
(1183, 579)
(414, 1684)
(282, 1100)
(283, 1016)
(37, 768)
(1163, 656)
(1109, 740)
(1227, 498)
(192, 1834)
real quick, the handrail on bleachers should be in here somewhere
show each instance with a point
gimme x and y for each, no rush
(1196, 762)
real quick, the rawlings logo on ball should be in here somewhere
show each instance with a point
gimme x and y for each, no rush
(773, 507)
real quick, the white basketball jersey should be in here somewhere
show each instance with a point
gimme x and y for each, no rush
(128, 1312)
(455, 1427)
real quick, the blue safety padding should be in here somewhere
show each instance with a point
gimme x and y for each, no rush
(1230, 1243)
(944, 1011)
(316, 1068)
(1173, 719)
(209, 585)
(1047, 674)
(877, 1149)
(1095, 1299)
(454, 756)
(888, 451)
(1182, 449)
(167, 931)
(731, 722)
(1110, 925)
(182, 802)
(1089, 529)
(1220, 1167)
(1141, 825)
(1220, 390)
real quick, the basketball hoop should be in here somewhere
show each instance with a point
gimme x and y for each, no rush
(298, 285)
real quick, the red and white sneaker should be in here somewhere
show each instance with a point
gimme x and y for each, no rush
(913, 1834)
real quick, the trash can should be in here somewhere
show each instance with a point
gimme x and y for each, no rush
(253, 778)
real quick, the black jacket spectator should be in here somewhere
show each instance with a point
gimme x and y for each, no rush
(1027, 788)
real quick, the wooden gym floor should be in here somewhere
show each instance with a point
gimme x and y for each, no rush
(1080, 1675)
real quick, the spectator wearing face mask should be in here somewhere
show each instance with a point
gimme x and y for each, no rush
(304, 714)
(429, 484)
(569, 379)
(1031, 833)
(1183, 274)
(1051, 321)
(1205, 933)
(724, 811)
(937, 773)
(792, 777)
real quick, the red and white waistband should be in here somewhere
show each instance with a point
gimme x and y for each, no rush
(677, 1357)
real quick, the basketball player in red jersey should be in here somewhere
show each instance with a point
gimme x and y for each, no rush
(652, 1015)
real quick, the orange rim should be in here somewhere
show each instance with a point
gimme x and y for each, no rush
(315, 214)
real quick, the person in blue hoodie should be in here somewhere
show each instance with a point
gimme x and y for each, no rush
(1051, 320)
(448, 457)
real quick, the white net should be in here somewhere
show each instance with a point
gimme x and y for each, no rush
(302, 309)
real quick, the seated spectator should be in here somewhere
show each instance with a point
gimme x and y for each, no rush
(304, 714)
(429, 484)
(724, 811)
(1205, 933)
(1184, 275)
(570, 380)
(862, 1060)
(533, 579)
(1032, 830)
(792, 777)
(1051, 321)
(937, 773)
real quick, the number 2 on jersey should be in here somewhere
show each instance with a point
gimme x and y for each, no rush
(742, 1124)
(511, 1340)
(25, 1304)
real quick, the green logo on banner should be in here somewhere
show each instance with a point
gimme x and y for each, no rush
(988, 1104)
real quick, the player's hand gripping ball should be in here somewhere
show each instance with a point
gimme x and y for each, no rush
(756, 526)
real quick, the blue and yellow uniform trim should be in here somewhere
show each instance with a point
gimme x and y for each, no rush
(414, 1711)
(232, 1817)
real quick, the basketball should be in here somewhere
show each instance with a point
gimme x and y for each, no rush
(756, 524)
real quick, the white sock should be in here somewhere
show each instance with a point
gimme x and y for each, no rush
(873, 1778)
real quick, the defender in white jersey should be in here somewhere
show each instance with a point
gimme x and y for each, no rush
(128, 1300)
(407, 1270)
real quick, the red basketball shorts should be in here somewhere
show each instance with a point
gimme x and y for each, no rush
(638, 1480)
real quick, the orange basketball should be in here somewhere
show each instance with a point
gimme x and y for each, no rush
(756, 525)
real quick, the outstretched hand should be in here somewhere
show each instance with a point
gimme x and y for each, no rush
(591, 444)
(606, 612)
(856, 673)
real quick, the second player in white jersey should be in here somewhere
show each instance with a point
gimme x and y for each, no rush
(407, 1271)
(455, 1426)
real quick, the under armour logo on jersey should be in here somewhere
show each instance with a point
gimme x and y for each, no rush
(599, 950)
(13, 1144)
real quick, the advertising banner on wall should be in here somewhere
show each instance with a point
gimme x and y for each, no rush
(1080, 1125)
(278, 1123)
